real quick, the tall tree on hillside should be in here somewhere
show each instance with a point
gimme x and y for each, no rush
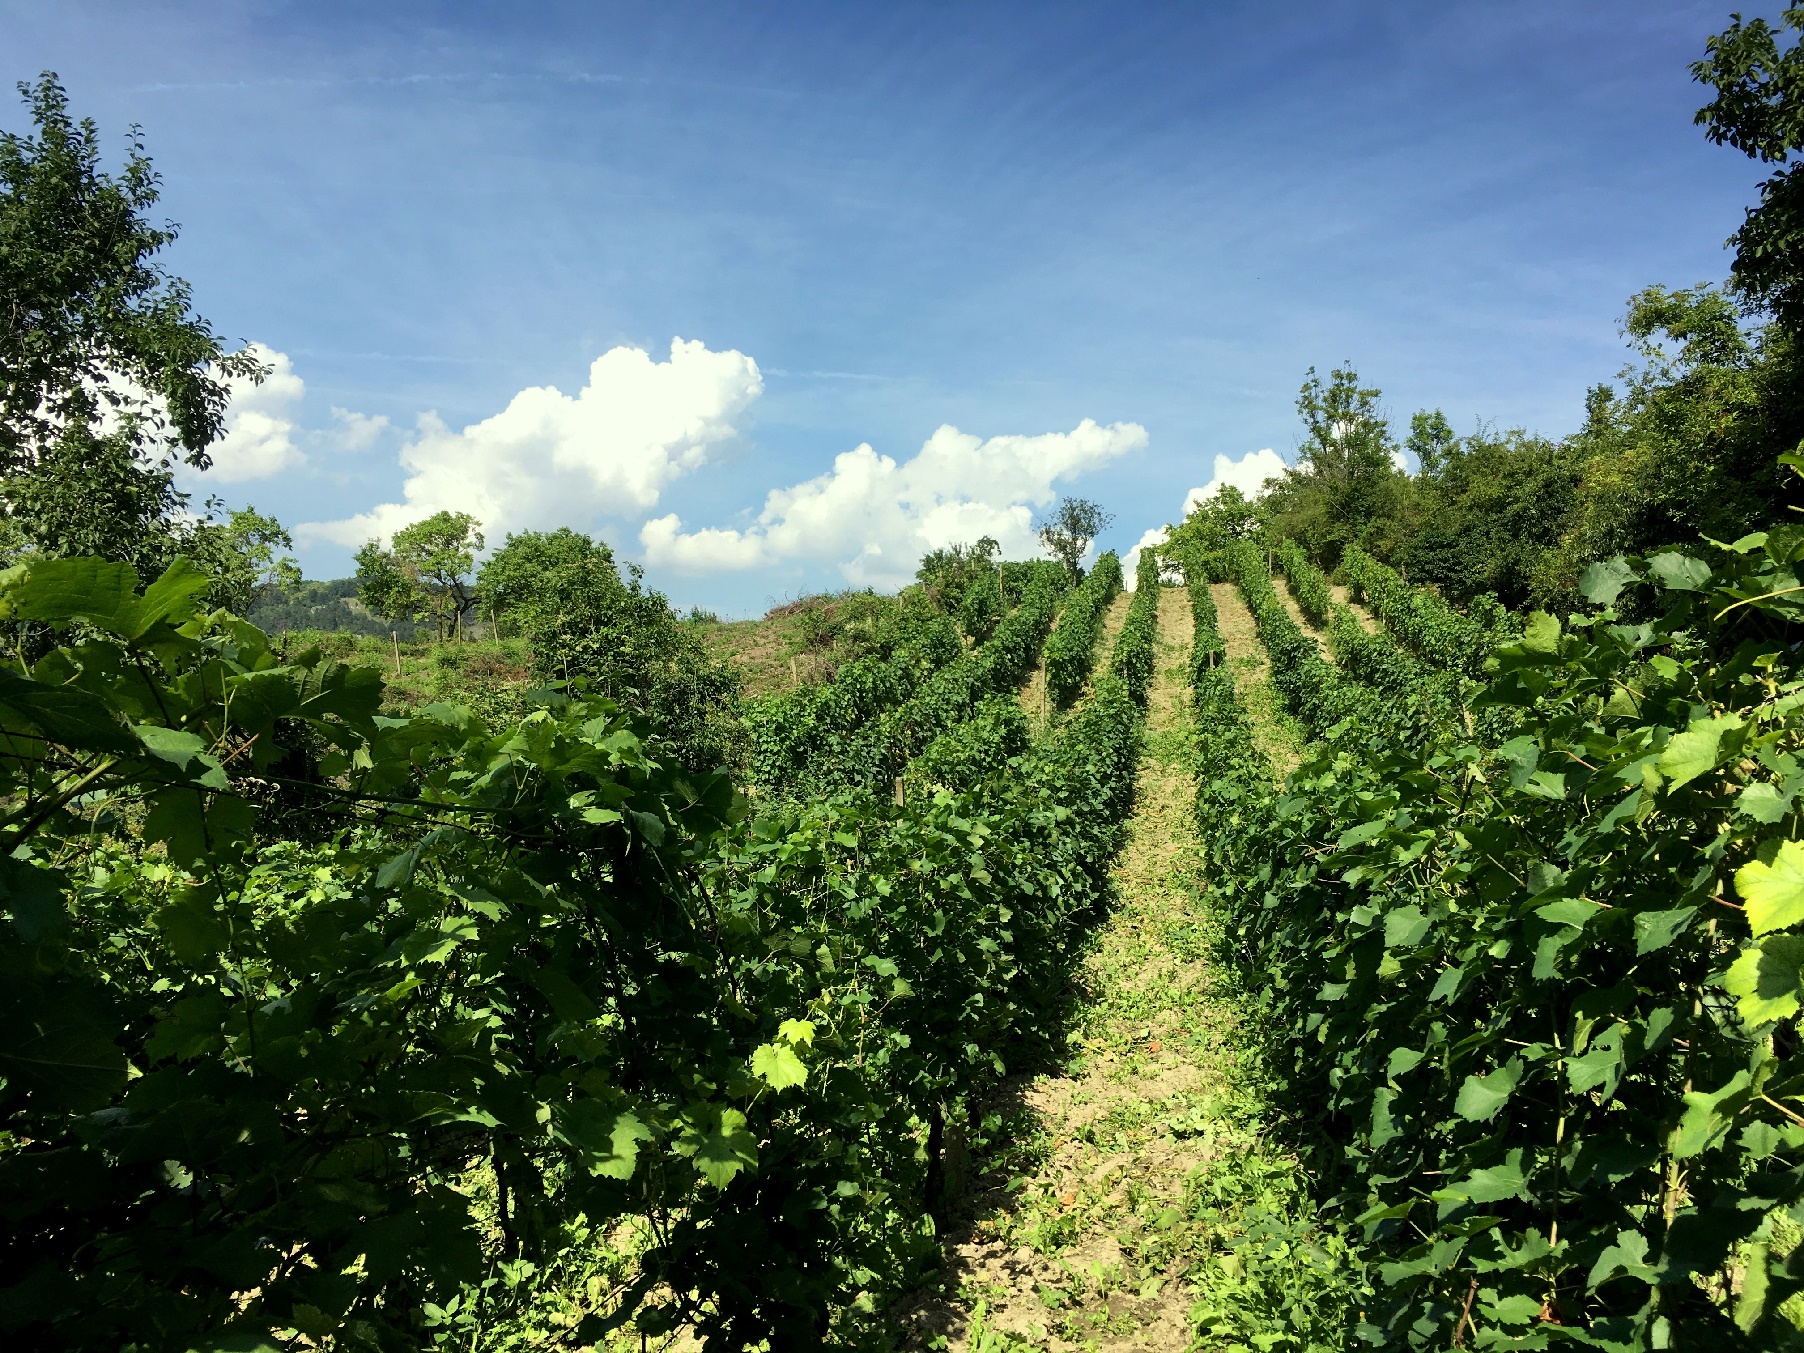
(424, 573)
(1067, 533)
(107, 377)
(1345, 484)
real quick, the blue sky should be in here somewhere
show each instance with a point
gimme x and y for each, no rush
(872, 221)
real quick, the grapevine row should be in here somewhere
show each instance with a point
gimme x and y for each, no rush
(1428, 626)
(1133, 657)
(1551, 1065)
(1071, 651)
(516, 989)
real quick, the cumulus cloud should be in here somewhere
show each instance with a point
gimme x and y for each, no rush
(874, 517)
(1130, 566)
(1248, 474)
(356, 431)
(551, 459)
(259, 435)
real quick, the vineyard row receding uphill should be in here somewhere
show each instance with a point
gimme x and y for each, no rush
(512, 962)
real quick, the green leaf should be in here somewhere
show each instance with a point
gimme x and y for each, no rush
(1402, 1061)
(1679, 572)
(59, 1046)
(794, 1031)
(607, 1139)
(1573, 911)
(1626, 1258)
(1695, 752)
(60, 591)
(1360, 834)
(718, 1143)
(1541, 634)
(1773, 893)
(1767, 980)
(1763, 802)
(1480, 1097)
(1405, 927)
(1709, 1114)
(1497, 1182)
(777, 1065)
(1522, 754)
(1657, 929)
(1602, 582)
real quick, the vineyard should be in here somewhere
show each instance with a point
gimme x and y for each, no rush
(1472, 1029)
(1370, 916)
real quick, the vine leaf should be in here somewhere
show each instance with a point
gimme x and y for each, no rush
(1773, 893)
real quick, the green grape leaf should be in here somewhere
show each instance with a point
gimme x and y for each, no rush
(1763, 802)
(1767, 979)
(1773, 893)
(718, 1143)
(606, 1139)
(1657, 929)
(1679, 572)
(1602, 582)
(1480, 1097)
(778, 1067)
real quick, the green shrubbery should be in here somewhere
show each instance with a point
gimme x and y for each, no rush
(1531, 998)
(408, 1075)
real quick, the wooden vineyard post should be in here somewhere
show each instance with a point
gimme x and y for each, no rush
(900, 796)
(794, 679)
(395, 635)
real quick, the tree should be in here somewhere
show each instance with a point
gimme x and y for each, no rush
(422, 574)
(240, 555)
(585, 622)
(1345, 485)
(1758, 111)
(965, 581)
(1068, 532)
(107, 377)
(1431, 440)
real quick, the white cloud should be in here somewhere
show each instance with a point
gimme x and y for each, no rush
(356, 431)
(259, 435)
(551, 459)
(1130, 566)
(874, 517)
(1248, 474)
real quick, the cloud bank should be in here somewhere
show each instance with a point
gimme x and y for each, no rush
(874, 517)
(550, 459)
(1248, 474)
(259, 422)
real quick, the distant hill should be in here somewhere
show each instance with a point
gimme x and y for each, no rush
(328, 605)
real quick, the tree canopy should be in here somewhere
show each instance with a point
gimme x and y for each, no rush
(107, 376)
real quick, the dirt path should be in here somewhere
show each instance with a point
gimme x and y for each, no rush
(1279, 735)
(1282, 588)
(1367, 621)
(1072, 1237)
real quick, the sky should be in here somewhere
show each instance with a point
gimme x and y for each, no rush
(774, 297)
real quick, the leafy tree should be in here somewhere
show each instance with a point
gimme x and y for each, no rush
(1758, 111)
(1074, 523)
(386, 589)
(240, 556)
(107, 377)
(966, 581)
(1345, 486)
(562, 589)
(423, 573)
(1431, 440)
(1210, 527)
